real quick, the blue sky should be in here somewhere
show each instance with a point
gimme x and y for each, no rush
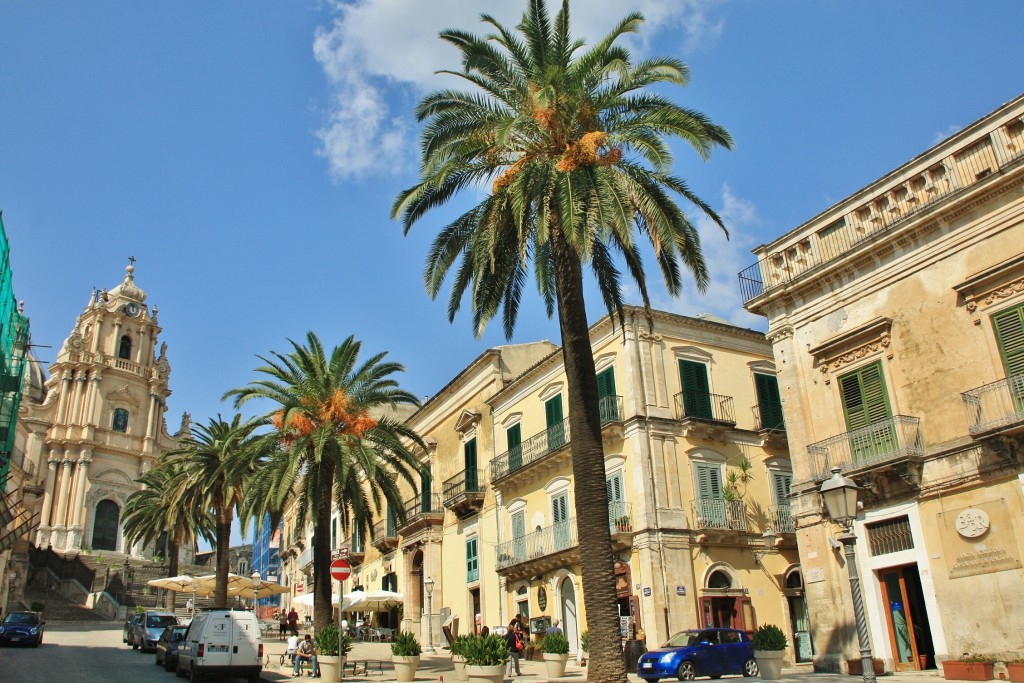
(248, 157)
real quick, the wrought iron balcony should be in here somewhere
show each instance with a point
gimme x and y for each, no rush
(768, 416)
(700, 405)
(610, 408)
(385, 537)
(995, 406)
(305, 559)
(422, 511)
(463, 494)
(893, 439)
(552, 439)
(533, 546)
(718, 513)
(356, 550)
(780, 518)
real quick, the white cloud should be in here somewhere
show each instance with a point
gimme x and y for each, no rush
(377, 52)
(943, 134)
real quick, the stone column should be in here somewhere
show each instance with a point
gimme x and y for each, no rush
(63, 401)
(75, 411)
(60, 521)
(151, 419)
(43, 536)
(97, 330)
(76, 516)
(115, 339)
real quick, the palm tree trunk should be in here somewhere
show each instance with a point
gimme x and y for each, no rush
(596, 559)
(220, 595)
(322, 610)
(172, 568)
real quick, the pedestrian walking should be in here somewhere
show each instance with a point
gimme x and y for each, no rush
(514, 638)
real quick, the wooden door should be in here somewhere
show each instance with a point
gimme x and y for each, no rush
(899, 620)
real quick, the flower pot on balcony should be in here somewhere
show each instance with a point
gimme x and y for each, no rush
(968, 671)
(554, 665)
(405, 667)
(459, 664)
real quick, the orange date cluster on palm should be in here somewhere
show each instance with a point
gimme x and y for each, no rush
(590, 150)
(335, 410)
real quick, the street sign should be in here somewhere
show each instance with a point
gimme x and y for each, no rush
(340, 552)
(340, 569)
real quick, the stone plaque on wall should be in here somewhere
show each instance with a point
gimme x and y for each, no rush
(978, 539)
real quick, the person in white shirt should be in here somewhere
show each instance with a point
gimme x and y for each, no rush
(293, 645)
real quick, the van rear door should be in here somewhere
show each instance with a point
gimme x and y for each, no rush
(246, 639)
(218, 639)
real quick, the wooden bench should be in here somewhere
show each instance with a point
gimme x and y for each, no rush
(357, 666)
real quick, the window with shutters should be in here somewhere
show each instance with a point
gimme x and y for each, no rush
(425, 491)
(617, 512)
(555, 422)
(696, 390)
(1009, 327)
(519, 535)
(469, 462)
(514, 436)
(472, 560)
(560, 521)
(781, 482)
(709, 507)
(867, 412)
(607, 399)
(769, 404)
(389, 529)
(780, 514)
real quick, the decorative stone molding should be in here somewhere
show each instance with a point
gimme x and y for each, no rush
(123, 395)
(870, 339)
(992, 286)
(649, 337)
(778, 334)
(467, 420)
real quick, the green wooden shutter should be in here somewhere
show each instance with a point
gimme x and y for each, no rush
(472, 560)
(514, 435)
(1009, 326)
(390, 527)
(696, 390)
(865, 403)
(519, 536)
(780, 487)
(709, 481)
(555, 422)
(560, 517)
(769, 404)
(469, 460)
(607, 399)
(425, 491)
(616, 499)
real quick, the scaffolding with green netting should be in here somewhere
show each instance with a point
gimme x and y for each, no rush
(14, 336)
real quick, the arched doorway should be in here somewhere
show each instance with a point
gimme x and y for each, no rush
(570, 620)
(800, 623)
(723, 604)
(104, 527)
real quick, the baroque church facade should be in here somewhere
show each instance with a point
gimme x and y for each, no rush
(100, 423)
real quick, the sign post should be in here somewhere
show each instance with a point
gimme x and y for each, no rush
(340, 570)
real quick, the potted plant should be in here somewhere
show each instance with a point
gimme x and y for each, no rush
(969, 668)
(555, 647)
(332, 646)
(769, 647)
(459, 657)
(1015, 670)
(405, 653)
(486, 657)
(581, 658)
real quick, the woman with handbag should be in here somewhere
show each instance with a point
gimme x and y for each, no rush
(516, 645)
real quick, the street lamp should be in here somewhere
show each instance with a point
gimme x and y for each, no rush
(840, 496)
(429, 586)
(256, 581)
(768, 539)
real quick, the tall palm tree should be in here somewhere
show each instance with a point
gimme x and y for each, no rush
(574, 146)
(150, 513)
(217, 460)
(334, 430)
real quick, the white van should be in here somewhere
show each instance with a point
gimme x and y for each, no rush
(222, 641)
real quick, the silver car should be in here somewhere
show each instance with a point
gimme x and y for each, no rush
(147, 629)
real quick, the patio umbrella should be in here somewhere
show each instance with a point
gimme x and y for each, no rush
(180, 584)
(306, 599)
(208, 583)
(376, 601)
(265, 589)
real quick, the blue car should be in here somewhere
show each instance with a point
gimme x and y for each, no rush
(22, 628)
(713, 652)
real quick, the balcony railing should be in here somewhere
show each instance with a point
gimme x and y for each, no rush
(701, 405)
(780, 518)
(460, 485)
(385, 536)
(887, 208)
(718, 513)
(891, 439)
(418, 505)
(996, 405)
(769, 416)
(553, 539)
(610, 408)
(536, 447)
(305, 559)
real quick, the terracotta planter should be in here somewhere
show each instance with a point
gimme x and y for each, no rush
(855, 669)
(968, 671)
(485, 674)
(405, 668)
(459, 664)
(769, 663)
(1015, 670)
(555, 664)
(330, 667)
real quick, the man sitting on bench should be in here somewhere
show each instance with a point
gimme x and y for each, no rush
(306, 653)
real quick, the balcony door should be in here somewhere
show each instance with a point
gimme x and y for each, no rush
(469, 463)
(514, 435)
(696, 390)
(867, 411)
(616, 504)
(710, 504)
(519, 536)
(555, 423)
(769, 404)
(560, 521)
(1009, 326)
(606, 396)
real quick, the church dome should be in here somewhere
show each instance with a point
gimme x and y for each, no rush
(35, 379)
(128, 289)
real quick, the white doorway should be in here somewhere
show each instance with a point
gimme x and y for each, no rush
(570, 623)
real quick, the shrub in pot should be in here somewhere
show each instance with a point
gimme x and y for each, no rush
(405, 653)
(459, 656)
(331, 648)
(486, 657)
(555, 647)
(969, 668)
(769, 647)
(584, 648)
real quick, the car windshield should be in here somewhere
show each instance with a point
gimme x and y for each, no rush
(683, 639)
(160, 621)
(16, 618)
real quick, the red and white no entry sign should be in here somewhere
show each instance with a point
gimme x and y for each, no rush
(340, 569)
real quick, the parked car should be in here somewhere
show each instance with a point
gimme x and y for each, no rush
(712, 652)
(146, 631)
(167, 646)
(22, 628)
(222, 641)
(129, 624)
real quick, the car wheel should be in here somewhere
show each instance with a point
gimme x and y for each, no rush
(195, 676)
(750, 667)
(168, 664)
(686, 672)
(179, 672)
(135, 644)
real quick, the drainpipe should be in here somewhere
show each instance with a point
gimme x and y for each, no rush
(650, 469)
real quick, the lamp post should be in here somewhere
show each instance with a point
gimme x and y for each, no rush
(429, 586)
(768, 539)
(840, 496)
(256, 581)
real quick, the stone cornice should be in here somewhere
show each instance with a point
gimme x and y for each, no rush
(993, 285)
(871, 338)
